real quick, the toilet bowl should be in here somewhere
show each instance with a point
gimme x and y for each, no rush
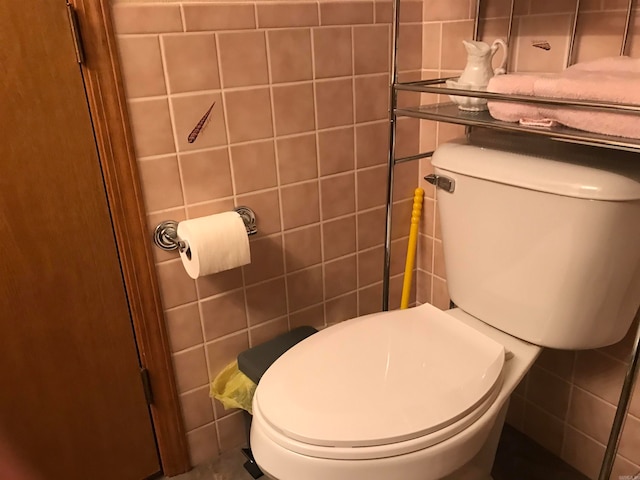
(540, 251)
(418, 402)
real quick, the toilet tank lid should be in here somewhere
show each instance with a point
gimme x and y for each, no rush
(573, 171)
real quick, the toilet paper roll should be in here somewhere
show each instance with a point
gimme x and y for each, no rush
(216, 243)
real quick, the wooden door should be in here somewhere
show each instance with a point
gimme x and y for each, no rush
(72, 404)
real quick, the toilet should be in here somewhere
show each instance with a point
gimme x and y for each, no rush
(542, 249)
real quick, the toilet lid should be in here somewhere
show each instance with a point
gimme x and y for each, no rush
(380, 379)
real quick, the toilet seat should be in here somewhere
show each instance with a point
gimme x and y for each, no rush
(371, 452)
(379, 385)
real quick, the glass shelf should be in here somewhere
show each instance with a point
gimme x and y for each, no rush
(438, 86)
(449, 112)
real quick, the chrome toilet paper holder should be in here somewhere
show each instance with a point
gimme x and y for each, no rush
(166, 236)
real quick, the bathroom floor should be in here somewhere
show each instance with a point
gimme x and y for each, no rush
(517, 457)
(226, 467)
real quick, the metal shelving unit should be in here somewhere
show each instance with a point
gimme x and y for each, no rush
(448, 112)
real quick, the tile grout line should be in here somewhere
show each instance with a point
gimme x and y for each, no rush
(437, 133)
(206, 358)
(242, 270)
(172, 119)
(272, 189)
(182, 17)
(241, 88)
(318, 165)
(235, 201)
(234, 187)
(312, 45)
(223, 98)
(356, 170)
(180, 176)
(234, 192)
(585, 434)
(251, 142)
(195, 283)
(319, 13)
(278, 179)
(422, 161)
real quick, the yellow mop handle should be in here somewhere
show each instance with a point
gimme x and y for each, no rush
(418, 195)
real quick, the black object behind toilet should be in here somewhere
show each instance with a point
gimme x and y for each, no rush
(253, 363)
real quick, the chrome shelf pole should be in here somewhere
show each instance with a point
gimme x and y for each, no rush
(627, 25)
(572, 41)
(623, 407)
(393, 103)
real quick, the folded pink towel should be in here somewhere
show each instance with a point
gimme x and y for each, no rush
(614, 80)
(614, 87)
(513, 85)
(538, 122)
(607, 64)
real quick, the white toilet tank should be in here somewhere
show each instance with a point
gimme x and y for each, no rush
(545, 250)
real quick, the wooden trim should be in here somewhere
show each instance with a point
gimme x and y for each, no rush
(107, 103)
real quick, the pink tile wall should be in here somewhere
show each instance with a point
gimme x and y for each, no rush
(301, 107)
(567, 402)
(299, 133)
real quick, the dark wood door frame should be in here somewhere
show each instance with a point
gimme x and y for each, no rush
(107, 104)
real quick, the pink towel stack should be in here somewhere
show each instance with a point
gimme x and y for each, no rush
(615, 80)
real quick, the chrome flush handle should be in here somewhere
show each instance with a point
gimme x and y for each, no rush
(440, 181)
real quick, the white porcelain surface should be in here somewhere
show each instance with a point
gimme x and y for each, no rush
(434, 462)
(545, 251)
(469, 104)
(477, 73)
(478, 70)
(580, 175)
(555, 270)
(392, 449)
(380, 379)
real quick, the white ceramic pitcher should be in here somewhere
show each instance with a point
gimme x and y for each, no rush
(479, 70)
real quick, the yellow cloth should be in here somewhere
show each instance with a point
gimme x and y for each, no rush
(233, 388)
